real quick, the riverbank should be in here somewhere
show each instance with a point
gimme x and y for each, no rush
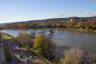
(6, 36)
(9, 39)
(77, 30)
(66, 29)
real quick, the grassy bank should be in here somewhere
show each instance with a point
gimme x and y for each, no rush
(6, 36)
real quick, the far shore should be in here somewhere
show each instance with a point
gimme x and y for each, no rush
(65, 29)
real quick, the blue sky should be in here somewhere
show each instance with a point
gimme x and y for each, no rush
(22, 10)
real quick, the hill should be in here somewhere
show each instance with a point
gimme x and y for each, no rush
(46, 23)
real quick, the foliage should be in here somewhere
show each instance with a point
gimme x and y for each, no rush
(66, 24)
(6, 36)
(44, 46)
(72, 56)
(24, 39)
(40, 38)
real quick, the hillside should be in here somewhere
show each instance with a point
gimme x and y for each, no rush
(47, 23)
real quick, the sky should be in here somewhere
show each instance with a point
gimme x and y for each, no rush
(23, 10)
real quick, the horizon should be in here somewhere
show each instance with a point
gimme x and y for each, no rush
(45, 19)
(26, 10)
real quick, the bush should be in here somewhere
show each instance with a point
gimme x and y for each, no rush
(72, 56)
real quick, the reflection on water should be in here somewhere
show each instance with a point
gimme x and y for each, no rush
(65, 39)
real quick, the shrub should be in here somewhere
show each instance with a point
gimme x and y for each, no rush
(73, 56)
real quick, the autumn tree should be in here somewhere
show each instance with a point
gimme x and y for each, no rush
(44, 46)
(93, 25)
(80, 25)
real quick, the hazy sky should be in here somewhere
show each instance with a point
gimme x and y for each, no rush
(19, 10)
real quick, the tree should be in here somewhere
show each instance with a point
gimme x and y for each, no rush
(44, 46)
(93, 25)
(24, 39)
(80, 25)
